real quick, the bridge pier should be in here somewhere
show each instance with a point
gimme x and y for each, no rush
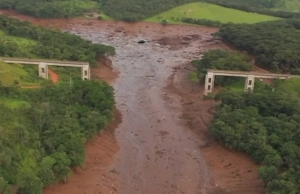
(85, 73)
(249, 84)
(43, 70)
(209, 83)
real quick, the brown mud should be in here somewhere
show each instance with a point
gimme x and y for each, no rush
(165, 147)
(105, 71)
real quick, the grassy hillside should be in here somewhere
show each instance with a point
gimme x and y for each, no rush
(26, 75)
(211, 12)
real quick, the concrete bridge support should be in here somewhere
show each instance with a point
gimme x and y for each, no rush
(85, 73)
(43, 70)
(209, 83)
(249, 84)
(250, 78)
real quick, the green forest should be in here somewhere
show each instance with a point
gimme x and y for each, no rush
(275, 45)
(265, 124)
(50, 8)
(223, 60)
(43, 131)
(267, 7)
(46, 43)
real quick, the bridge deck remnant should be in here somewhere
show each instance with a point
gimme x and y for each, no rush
(249, 75)
(44, 63)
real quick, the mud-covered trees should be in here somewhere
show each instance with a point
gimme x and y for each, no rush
(224, 60)
(266, 125)
(274, 44)
(41, 141)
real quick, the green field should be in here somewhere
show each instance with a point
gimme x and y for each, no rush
(26, 75)
(13, 103)
(211, 12)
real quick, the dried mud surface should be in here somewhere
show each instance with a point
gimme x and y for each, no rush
(164, 146)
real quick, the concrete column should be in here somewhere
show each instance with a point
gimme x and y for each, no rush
(43, 70)
(85, 72)
(249, 84)
(209, 83)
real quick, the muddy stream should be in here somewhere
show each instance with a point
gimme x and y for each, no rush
(157, 154)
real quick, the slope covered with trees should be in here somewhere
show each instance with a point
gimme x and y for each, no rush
(134, 10)
(266, 125)
(267, 7)
(43, 131)
(275, 45)
(223, 60)
(47, 43)
(50, 9)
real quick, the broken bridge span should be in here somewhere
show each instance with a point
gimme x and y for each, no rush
(249, 75)
(44, 63)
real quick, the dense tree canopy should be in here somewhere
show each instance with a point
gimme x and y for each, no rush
(275, 45)
(44, 137)
(51, 44)
(224, 60)
(266, 125)
(50, 8)
(134, 10)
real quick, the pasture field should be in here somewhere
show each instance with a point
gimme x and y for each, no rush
(26, 75)
(209, 11)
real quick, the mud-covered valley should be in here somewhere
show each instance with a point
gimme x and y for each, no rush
(159, 142)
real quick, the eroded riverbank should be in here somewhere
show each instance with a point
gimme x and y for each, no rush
(158, 151)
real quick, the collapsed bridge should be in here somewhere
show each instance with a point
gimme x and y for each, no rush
(44, 63)
(249, 75)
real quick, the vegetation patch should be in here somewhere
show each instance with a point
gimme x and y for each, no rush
(277, 8)
(13, 103)
(264, 124)
(210, 12)
(24, 75)
(275, 45)
(21, 39)
(223, 60)
(43, 131)
(135, 10)
(50, 9)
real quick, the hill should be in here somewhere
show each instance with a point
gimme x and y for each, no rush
(287, 5)
(44, 130)
(21, 39)
(265, 125)
(274, 44)
(211, 12)
(278, 8)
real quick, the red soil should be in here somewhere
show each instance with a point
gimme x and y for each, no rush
(54, 77)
